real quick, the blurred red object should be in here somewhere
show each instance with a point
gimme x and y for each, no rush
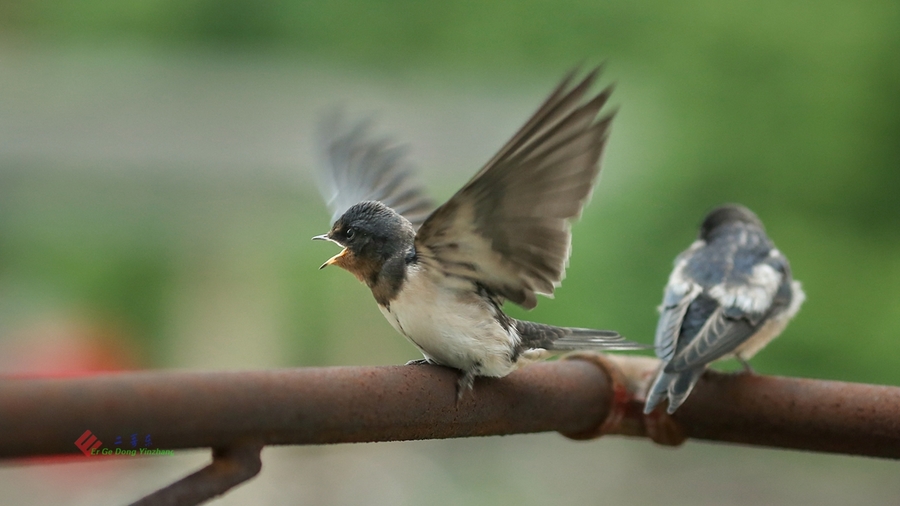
(65, 349)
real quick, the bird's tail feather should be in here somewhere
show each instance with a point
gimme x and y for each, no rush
(590, 339)
(551, 338)
(675, 386)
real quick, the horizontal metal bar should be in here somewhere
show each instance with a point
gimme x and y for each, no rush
(804, 414)
(580, 398)
(295, 406)
(752, 409)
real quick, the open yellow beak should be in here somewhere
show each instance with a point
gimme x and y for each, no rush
(335, 259)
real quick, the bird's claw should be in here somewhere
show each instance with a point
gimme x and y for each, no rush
(746, 366)
(466, 380)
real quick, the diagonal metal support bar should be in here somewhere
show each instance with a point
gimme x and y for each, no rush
(230, 467)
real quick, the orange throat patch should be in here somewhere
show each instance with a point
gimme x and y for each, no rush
(364, 269)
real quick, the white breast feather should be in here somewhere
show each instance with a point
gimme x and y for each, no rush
(450, 324)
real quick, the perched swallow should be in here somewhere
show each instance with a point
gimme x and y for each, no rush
(730, 294)
(441, 278)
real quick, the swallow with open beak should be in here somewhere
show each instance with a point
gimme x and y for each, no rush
(441, 277)
(729, 294)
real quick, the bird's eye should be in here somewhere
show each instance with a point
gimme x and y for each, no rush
(349, 233)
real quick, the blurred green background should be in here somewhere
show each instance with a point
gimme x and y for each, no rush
(156, 195)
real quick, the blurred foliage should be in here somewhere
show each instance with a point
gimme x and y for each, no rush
(790, 109)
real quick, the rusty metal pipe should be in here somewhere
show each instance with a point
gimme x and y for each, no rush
(803, 414)
(746, 408)
(296, 406)
(580, 398)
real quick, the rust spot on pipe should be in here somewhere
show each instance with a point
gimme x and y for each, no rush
(630, 379)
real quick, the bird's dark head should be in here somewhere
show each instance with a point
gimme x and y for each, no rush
(370, 233)
(728, 214)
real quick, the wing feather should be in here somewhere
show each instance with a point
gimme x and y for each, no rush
(356, 166)
(509, 227)
(668, 328)
(718, 337)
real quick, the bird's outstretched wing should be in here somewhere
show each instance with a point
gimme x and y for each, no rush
(356, 166)
(508, 228)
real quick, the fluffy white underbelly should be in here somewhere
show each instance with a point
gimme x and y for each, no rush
(451, 325)
(772, 328)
